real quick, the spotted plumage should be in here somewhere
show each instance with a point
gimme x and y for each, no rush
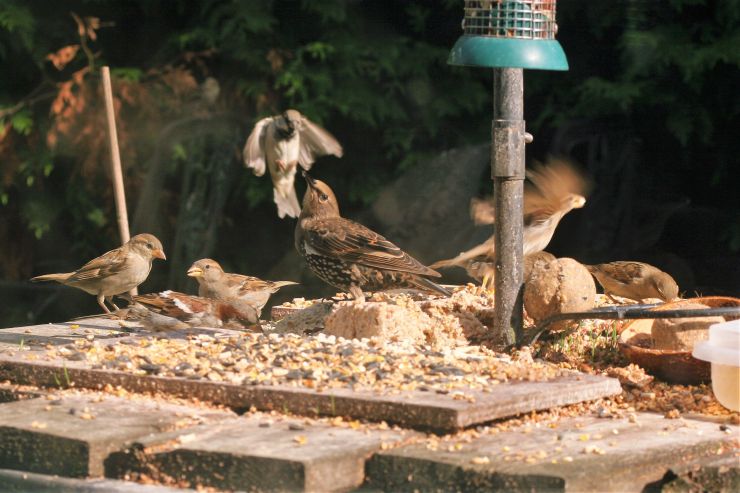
(350, 256)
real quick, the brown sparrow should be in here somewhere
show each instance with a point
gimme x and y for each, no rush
(634, 280)
(284, 141)
(197, 311)
(552, 192)
(216, 284)
(115, 272)
(351, 257)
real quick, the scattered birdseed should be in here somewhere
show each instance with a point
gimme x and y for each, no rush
(318, 362)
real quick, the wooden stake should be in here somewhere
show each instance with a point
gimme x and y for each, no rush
(115, 161)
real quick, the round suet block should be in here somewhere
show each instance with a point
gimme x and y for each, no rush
(559, 286)
(535, 262)
(680, 334)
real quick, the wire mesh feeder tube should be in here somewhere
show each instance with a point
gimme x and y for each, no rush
(524, 19)
(507, 170)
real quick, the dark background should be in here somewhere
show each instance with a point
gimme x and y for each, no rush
(649, 110)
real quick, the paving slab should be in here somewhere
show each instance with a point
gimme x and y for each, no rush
(72, 436)
(27, 482)
(708, 474)
(11, 393)
(416, 409)
(58, 334)
(256, 453)
(578, 454)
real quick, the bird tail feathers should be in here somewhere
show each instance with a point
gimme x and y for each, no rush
(52, 277)
(425, 284)
(287, 205)
(460, 261)
(280, 284)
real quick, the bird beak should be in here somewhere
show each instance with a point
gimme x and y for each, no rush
(157, 253)
(311, 182)
(195, 272)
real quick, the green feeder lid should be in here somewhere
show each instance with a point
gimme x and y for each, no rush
(485, 51)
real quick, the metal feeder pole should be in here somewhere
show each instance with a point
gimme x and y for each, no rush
(508, 36)
(507, 171)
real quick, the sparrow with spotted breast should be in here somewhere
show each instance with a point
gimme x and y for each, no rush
(351, 257)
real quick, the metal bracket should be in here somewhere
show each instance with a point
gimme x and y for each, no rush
(508, 137)
(630, 312)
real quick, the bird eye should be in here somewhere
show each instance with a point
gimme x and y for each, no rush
(208, 266)
(323, 197)
(149, 246)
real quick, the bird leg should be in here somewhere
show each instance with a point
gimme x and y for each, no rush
(281, 165)
(101, 302)
(488, 280)
(357, 294)
(109, 299)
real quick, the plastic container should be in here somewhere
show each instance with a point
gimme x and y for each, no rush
(722, 350)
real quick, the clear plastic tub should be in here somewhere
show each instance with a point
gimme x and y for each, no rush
(722, 350)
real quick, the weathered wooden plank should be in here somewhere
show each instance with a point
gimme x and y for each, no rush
(578, 454)
(38, 336)
(72, 436)
(256, 453)
(416, 409)
(27, 482)
(11, 393)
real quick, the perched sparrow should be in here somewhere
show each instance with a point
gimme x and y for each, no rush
(197, 311)
(555, 190)
(114, 272)
(284, 141)
(350, 256)
(634, 280)
(216, 284)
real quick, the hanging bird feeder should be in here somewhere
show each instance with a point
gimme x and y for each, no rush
(515, 34)
(508, 36)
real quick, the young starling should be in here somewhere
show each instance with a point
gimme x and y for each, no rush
(350, 256)
(634, 280)
(216, 284)
(283, 142)
(115, 272)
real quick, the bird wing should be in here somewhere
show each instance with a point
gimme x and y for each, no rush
(315, 142)
(623, 272)
(482, 211)
(108, 264)
(353, 242)
(247, 284)
(554, 181)
(254, 148)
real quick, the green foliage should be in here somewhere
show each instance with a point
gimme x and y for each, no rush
(16, 19)
(22, 122)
